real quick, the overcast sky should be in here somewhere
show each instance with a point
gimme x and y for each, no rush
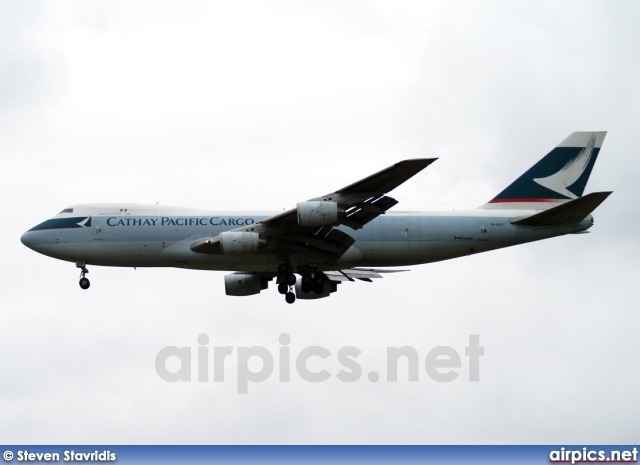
(259, 105)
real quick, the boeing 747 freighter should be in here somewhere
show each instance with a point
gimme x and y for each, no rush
(349, 234)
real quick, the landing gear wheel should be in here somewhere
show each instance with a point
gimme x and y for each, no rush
(283, 268)
(305, 287)
(290, 297)
(290, 279)
(84, 282)
(317, 284)
(283, 288)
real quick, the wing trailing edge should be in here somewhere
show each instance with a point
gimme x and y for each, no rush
(361, 274)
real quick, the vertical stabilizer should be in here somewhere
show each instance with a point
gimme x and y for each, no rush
(560, 176)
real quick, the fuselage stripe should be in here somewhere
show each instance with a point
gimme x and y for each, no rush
(63, 223)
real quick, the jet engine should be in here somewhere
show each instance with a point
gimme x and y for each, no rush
(241, 284)
(240, 243)
(317, 213)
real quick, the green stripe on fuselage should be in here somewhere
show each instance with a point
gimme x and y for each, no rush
(63, 223)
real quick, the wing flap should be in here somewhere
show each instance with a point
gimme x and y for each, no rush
(362, 212)
(361, 274)
(325, 245)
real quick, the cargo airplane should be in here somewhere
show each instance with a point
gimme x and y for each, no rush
(343, 236)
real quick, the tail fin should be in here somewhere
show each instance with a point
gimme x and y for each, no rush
(560, 176)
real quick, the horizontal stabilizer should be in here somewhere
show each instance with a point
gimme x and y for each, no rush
(570, 212)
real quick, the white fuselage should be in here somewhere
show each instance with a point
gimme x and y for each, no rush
(132, 235)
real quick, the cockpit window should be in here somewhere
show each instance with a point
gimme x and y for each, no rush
(66, 210)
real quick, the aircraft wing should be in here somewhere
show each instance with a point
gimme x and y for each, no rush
(365, 199)
(354, 206)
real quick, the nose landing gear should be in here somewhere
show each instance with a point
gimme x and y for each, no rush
(84, 282)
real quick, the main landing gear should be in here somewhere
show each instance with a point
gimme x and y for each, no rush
(312, 281)
(84, 282)
(286, 282)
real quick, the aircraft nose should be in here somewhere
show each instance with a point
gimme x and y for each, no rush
(26, 239)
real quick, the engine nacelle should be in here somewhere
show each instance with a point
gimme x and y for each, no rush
(239, 243)
(241, 284)
(317, 213)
